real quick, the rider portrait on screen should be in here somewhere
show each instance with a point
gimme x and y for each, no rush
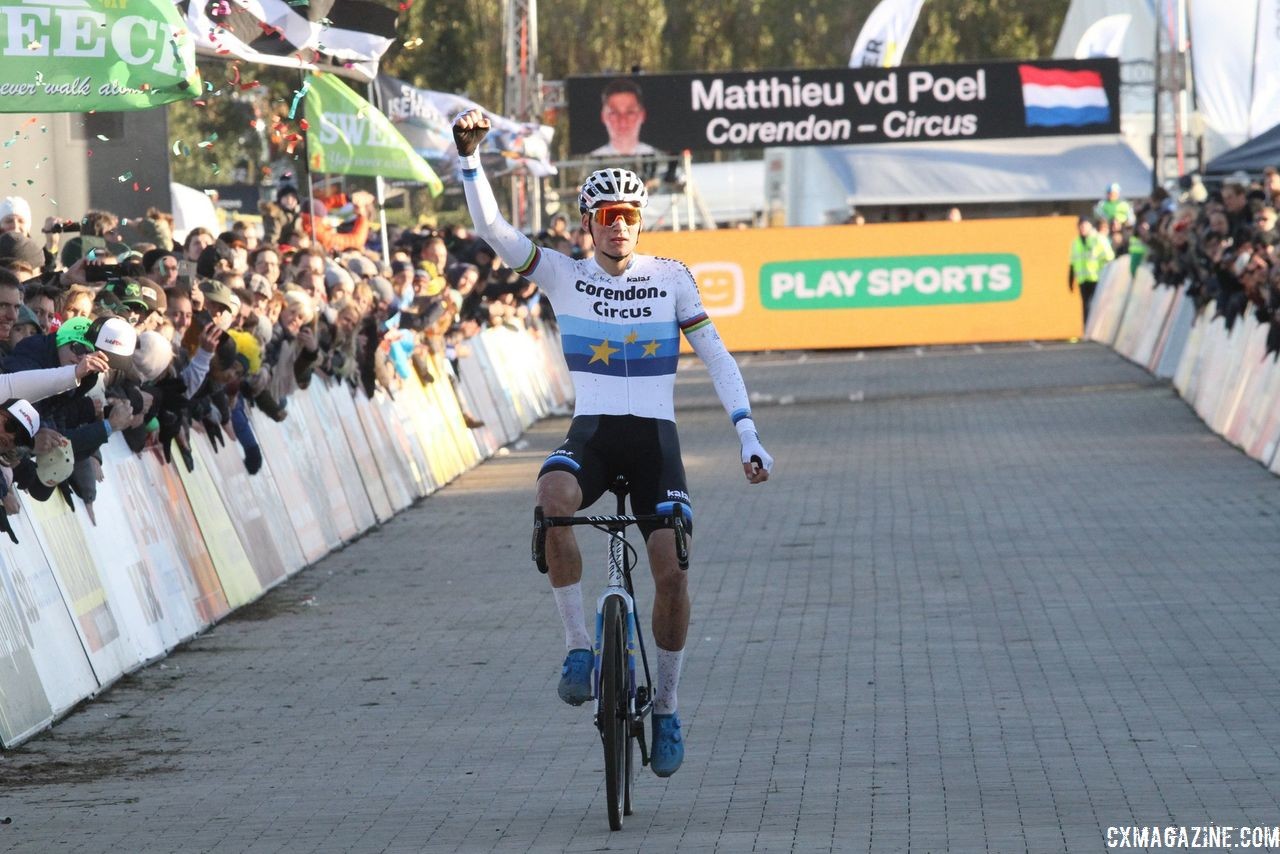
(620, 316)
(622, 112)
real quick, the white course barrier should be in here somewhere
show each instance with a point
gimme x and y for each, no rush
(173, 552)
(1226, 375)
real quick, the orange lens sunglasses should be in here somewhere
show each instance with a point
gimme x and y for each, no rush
(606, 216)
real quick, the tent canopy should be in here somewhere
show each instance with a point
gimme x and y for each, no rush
(733, 192)
(816, 181)
(1046, 169)
(1259, 152)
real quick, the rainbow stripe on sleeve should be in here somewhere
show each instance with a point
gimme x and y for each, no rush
(694, 323)
(532, 261)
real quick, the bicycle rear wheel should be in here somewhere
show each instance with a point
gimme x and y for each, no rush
(614, 717)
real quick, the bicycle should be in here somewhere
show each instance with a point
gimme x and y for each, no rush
(621, 705)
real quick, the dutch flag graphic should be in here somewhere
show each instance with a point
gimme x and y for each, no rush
(1057, 98)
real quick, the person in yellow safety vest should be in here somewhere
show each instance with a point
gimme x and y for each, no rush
(1089, 251)
(1113, 207)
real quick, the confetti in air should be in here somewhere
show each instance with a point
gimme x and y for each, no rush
(298, 95)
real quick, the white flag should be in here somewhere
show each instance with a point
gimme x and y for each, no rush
(884, 36)
(1264, 109)
(1223, 64)
(1105, 37)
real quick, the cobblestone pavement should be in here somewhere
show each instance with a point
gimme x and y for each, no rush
(1010, 599)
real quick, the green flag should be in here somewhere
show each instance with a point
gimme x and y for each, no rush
(346, 135)
(79, 56)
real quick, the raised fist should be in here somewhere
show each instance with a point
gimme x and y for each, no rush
(469, 130)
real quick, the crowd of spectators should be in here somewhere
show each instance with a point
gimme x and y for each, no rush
(153, 336)
(1223, 244)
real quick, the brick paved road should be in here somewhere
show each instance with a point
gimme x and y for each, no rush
(1012, 598)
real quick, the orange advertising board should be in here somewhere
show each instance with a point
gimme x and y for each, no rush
(885, 285)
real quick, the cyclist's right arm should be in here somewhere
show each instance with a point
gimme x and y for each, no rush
(544, 267)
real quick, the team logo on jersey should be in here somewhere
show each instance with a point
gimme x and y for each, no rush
(619, 295)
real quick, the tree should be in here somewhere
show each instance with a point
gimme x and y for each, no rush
(975, 30)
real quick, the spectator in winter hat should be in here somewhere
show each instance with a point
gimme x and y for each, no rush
(26, 325)
(17, 247)
(287, 197)
(152, 356)
(162, 266)
(360, 267)
(15, 215)
(383, 290)
(215, 258)
(338, 283)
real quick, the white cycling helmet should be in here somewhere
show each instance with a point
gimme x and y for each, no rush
(611, 186)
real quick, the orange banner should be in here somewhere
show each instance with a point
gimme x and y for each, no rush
(886, 285)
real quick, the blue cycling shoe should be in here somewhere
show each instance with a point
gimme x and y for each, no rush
(668, 745)
(575, 677)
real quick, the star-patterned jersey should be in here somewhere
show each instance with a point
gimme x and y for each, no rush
(620, 334)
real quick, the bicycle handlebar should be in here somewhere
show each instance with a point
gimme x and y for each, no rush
(541, 523)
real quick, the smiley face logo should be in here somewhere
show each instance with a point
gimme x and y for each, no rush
(721, 286)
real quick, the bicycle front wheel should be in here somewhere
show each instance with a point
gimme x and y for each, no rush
(615, 717)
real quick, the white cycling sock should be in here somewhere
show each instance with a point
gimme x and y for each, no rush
(569, 603)
(664, 701)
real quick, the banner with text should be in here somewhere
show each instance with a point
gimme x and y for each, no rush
(346, 135)
(82, 56)
(425, 118)
(882, 285)
(840, 106)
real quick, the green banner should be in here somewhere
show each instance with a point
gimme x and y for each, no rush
(79, 56)
(346, 135)
(914, 280)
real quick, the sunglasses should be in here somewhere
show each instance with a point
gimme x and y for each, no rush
(607, 216)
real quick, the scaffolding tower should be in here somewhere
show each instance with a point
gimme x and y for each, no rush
(523, 101)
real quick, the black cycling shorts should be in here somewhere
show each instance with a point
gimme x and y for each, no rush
(646, 451)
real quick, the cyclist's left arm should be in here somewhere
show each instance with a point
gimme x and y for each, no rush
(725, 376)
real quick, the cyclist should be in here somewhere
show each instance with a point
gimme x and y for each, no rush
(620, 315)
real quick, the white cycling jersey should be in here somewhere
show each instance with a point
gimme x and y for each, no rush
(620, 334)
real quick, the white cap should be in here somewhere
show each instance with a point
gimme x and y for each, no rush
(27, 417)
(116, 338)
(56, 464)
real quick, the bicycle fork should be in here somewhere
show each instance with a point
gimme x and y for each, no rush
(638, 700)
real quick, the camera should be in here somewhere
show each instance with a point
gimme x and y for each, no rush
(66, 225)
(101, 272)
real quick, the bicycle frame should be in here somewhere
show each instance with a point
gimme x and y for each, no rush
(640, 697)
(638, 704)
